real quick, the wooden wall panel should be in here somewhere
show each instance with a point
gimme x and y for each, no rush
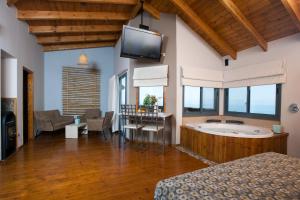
(222, 149)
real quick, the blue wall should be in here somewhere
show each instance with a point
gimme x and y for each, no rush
(102, 58)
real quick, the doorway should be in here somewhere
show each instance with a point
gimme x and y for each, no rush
(123, 89)
(27, 105)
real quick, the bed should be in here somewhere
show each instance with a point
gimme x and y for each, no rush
(263, 176)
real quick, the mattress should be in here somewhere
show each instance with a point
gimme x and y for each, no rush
(263, 176)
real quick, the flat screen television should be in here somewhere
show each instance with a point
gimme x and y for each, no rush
(139, 43)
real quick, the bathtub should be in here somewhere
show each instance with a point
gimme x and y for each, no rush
(221, 143)
(233, 130)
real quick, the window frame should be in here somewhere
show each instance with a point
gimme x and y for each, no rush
(247, 114)
(202, 111)
(163, 108)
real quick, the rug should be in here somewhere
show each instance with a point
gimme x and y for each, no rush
(190, 153)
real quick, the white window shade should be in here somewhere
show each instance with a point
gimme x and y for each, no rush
(150, 76)
(202, 77)
(259, 74)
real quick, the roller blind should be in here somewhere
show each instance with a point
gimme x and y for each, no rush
(150, 76)
(81, 90)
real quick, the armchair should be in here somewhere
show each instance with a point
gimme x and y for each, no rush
(96, 123)
(93, 119)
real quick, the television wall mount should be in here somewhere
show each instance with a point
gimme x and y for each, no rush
(142, 26)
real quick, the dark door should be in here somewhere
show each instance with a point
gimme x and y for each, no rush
(25, 106)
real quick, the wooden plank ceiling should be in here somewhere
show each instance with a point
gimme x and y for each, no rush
(228, 26)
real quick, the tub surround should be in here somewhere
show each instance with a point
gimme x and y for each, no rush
(222, 149)
(248, 121)
(233, 130)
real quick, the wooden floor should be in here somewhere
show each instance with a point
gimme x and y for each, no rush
(88, 168)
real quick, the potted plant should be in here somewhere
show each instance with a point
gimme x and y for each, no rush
(150, 100)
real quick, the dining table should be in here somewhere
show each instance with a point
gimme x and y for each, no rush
(165, 118)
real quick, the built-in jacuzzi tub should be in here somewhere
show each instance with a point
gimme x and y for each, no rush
(233, 130)
(220, 143)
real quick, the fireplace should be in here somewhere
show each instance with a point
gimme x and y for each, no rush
(8, 134)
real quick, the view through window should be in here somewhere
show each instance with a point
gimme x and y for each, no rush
(262, 100)
(208, 98)
(157, 91)
(237, 99)
(192, 98)
(198, 100)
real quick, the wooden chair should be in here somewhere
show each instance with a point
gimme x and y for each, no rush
(151, 123)
(107, 123)
(130, 120)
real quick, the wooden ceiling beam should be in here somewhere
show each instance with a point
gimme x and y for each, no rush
(151, 10)
(147, 6)
(62, 47)
(71, 15)
(135, 10)
(242, 19)
(117, 2)
(11, 2)
(293, 8)
(74, 29)
(204, 28)
(77, 38)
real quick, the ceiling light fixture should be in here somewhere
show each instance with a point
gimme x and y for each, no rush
(83, 60)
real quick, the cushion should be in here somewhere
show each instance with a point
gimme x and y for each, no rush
(93, 113)
(48, 115)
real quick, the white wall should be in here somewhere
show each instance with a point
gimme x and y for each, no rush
(15, 39)
(100, 58)
(184, 48)
(120, 64)
(166, 26)
(9, 78)
(192, 52)
(287, 49)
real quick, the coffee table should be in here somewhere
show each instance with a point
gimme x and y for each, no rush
(73, 130)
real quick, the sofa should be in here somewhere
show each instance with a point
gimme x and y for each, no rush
(51, 120)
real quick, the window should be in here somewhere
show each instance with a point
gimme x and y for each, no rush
(191, 102)
(263, 99)
(200, 101)
(157, 91)
(255, 101)
(208, 98)
(237, 99)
